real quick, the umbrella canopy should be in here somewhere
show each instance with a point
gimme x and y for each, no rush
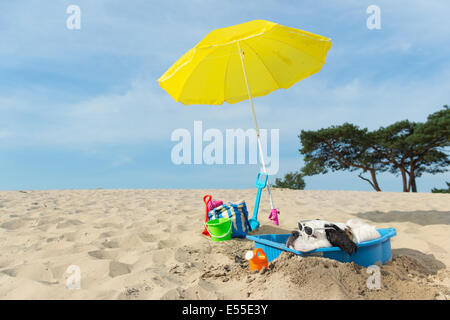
(275, 57)
(244, 61)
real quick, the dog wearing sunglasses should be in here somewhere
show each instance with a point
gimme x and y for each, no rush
(322, 234)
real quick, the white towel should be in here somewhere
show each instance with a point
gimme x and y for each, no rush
(362, 231)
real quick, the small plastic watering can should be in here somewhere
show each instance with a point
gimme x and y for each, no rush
(257, 259)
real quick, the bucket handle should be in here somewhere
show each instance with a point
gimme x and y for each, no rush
(260, 253)
(219, 237)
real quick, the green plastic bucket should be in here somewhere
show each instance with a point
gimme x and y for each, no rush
(219, 229)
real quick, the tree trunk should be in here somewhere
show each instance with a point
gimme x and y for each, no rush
(412, 179)
(374, 180)
(413, 184)
(404, 180)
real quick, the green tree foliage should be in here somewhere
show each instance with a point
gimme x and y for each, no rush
(292, 180)
(435, 190)
(404, 148)
(415, 148)
(341, 148)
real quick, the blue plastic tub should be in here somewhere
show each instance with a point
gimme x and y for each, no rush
(368, 253)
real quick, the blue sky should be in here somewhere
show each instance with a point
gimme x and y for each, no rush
(82, 108)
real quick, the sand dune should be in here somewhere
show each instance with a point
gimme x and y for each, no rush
(147, 244)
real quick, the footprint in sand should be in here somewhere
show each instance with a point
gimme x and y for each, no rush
(68, 223)
(160, 257)
(169, 243)
(138, 291)
(36, 271)
(163, 225)
(127, 242)
(13, 225)
(147, 237)
(117, 269)
(181, 255)
(43, 228)
(197, 291)
(111, 244)
(107, 225)
(105, 254)
(10, 272)
(51, 239)
(109, 234)
(5, 262)
(173, 294)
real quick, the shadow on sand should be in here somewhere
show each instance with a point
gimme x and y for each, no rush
(266, 229)
(428, 263)
(422, 218)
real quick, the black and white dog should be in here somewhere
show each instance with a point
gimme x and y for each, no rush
(322, 234)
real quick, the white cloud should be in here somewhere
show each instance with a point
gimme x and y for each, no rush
(5, 134)
(121, 160)
(153, 34)
(146, 113)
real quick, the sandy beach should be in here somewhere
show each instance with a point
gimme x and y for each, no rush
(147, 244)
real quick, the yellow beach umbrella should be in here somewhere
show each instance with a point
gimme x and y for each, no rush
(244, 61)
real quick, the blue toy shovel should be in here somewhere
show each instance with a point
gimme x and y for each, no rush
(261, 182)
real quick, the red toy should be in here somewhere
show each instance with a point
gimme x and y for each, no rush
(206, 200)
(209, 205)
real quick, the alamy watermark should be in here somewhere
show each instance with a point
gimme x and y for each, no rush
(236, 146)
(374, 280)
(73, 281)
(374, 20)
(73, 22)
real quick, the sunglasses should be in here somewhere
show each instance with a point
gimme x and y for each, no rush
(309, 231)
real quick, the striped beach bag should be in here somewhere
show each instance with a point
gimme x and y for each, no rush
(237, 213)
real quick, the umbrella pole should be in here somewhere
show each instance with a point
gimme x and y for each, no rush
(261, 154)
